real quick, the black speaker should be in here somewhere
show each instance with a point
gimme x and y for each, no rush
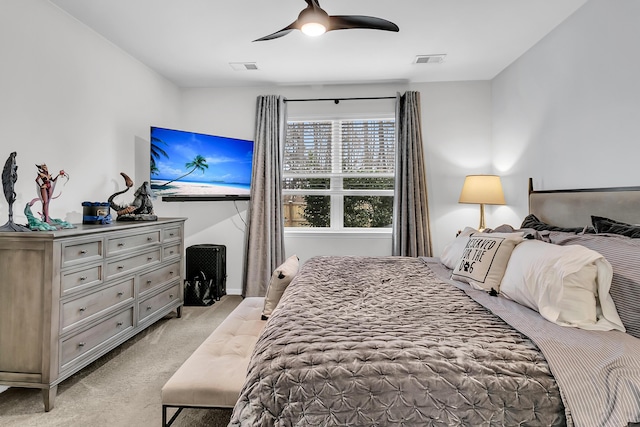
(210, 261)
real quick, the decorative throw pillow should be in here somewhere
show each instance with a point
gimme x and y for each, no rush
(280, 279)
(567, 285)
(623, 253)
(532, 221)
(484, 260)
(606, 225)
(453, 251)
(527, 233)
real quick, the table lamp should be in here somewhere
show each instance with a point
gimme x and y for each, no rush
(483, 190)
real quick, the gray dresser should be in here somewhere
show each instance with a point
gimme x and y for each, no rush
(68, 297)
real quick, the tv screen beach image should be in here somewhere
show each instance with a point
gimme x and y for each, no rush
(194, 164)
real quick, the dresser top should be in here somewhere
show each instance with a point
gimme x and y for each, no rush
(86, 229)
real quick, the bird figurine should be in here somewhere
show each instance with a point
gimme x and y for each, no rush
(9, 178)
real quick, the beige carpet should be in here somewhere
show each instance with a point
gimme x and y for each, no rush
(123, 387)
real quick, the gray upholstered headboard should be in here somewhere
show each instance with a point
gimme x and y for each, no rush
(573, 208)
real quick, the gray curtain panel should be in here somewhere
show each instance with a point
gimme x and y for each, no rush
(264, 236)
(411, 236)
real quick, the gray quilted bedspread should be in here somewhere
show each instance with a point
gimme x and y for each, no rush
(381, 341)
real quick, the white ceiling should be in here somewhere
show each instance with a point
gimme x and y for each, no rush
(192, 42)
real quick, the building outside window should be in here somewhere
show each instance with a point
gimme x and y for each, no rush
(338, 175)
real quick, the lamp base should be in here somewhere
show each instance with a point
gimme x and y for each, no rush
(482, 224)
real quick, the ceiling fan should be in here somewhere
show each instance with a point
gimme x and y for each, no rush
(314, 21)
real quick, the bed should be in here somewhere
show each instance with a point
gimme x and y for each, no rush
(376, 341)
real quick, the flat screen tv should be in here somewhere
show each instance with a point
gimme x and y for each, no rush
(194, 166)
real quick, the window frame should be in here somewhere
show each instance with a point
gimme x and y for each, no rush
(336, 191)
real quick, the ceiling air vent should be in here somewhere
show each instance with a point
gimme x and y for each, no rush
(244, 66)
(430, 59)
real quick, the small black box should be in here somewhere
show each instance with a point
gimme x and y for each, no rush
(96, 213)
(210, 261)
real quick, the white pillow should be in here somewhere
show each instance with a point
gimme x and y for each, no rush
(484, 259)
(567, 285)
(280, 279)
(453, 251)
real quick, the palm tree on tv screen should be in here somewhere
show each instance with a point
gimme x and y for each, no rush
(198, 163)
(156, 153)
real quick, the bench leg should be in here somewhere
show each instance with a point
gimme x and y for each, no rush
(173, 418)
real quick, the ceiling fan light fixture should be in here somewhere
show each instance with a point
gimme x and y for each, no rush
(313, 29)
(313, 22)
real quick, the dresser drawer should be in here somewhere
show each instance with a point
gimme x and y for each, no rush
(119, 245)
(158, 277)
(125, 265)
(77, 345)
(157, 302)
(171, 251)
(79, 279)
(76, 252)
(79, 309)
(172, 233)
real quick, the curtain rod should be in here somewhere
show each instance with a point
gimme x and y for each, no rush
(337, 100)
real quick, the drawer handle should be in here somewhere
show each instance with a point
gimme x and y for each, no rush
(82, 344)
(120, 245)
(171, 272)
(149, 239)
(170, 295)
(149, 258)
(170, 252)
(82, 252)
(120, 267)
(82, 309)
(83, 278)
(171, 234)
(119, 324)
(149, 282)
(120, 293)
(149, 307)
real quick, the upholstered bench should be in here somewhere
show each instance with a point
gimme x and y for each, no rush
(213, 375)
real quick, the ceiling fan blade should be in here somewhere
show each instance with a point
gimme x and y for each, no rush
(313, 13)
(346, 22)
(277, 34)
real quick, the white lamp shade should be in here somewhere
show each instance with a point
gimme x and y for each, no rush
(482, 189)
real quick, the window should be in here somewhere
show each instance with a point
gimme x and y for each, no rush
(339, 174)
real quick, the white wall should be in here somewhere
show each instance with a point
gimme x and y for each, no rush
(456, 123)
(567, 113)
(73, 101)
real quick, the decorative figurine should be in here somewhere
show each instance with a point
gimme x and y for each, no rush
(46, 185)
(9, 178)
(141, 209)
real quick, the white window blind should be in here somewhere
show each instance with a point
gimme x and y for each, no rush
(368, 146)
(348, 147)
(308, 148)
